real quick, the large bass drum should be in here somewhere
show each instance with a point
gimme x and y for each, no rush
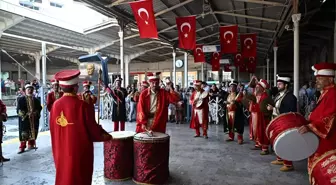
(151, 158)
(287, 142)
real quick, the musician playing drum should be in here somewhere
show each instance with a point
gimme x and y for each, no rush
(285, 102)
(322, 122)
(235, 113)
(28, 108)
(152, 109)
(200, 110)
(53, 95)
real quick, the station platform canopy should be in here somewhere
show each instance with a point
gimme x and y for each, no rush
(23, 27)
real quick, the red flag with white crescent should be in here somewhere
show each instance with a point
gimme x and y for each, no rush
(227, 68)
(199, 54)
(144, 16)
(186, 27)
(252, 64)
(248, 44)
(238, 59)
(228, 38)
(215, 61)
(243, 67)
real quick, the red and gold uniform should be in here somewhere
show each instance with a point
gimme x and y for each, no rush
(233, 101)
(54, 95)
(200, 110)
(3, 118)
(259, 119)
(73, 130)
(152, 109)
(322, 122)
(87, 95)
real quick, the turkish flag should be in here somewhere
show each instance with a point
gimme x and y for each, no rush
(252, 64)
(215, 61)
(227, 68)
(248, 44)
(199, 54)
(144, 16)
(186, 27)
(243, 67)
(238, 60)
(228, 38)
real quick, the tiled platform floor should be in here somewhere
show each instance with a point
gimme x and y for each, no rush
(193, 161)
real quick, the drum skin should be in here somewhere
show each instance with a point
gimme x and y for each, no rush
(324, 171)
(118, 159)
(151, 160)
(282, 123)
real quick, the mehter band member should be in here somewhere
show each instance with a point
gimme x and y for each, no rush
(87, 95)
(73, 130)
(235, 113)
(3, 118)
(152, 109)
(322, 122)
(285, 102)
(119, 105)
(28, 108)
(200, 110)
(54, 95)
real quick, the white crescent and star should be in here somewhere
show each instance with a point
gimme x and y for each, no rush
(146, 12)
(238, 58)
(198, 52)
(245, 41)
(251, 59)
(216, 56)
(230, 33)
(183, 25)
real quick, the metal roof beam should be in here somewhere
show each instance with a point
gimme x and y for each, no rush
(51, 43)
(72, 60)
(10, 23)
(149, 42)
(262, 2)
(253, 28)
(246, 16)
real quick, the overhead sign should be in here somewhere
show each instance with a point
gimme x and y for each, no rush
(224, 61)
(211, 48)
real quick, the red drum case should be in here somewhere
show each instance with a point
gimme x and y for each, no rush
(118, 156)
(151, 158)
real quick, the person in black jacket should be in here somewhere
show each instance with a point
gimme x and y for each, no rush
(285, 102)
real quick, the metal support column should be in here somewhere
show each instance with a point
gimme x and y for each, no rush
(121, 36)
(267, 69)
(44, 120)
(275, 49)
(37, 67)
(0, 74)
(185, 69)
(202, 72)
(127, 61)
(174, 67)
(296, 20)
(19, 72)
